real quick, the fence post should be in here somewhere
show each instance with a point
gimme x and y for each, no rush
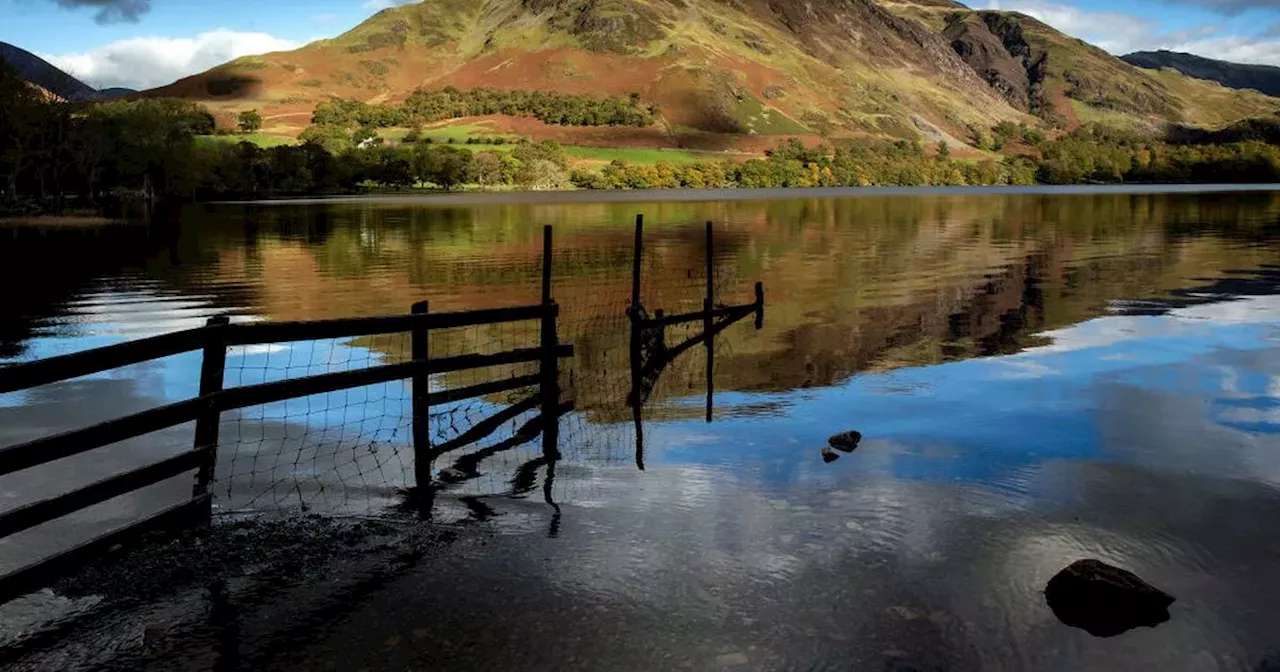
(550, 386)
(421, 382)
(637, 248)
(759, 305)
(709, 304)
(213, 367)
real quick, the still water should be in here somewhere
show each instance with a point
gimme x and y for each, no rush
(1039, 378)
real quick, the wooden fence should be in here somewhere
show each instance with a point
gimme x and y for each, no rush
(650, 353)
(206, 409)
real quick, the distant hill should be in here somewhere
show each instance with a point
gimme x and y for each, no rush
(729, 74)
(51, 79)
(114, 92)
(1066, 81)
(1264, 78)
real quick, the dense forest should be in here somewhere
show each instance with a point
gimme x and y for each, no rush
(423, 106)
(55, 155)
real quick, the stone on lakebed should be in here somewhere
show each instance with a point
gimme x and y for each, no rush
(846, 441)
(1105, 601)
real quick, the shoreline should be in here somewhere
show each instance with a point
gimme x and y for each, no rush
(62, 221)
(445, 199)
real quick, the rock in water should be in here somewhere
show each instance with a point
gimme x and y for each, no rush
(829, 455)
(1104, 600)
(846, 441)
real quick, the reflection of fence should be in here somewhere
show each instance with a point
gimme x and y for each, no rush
(650, 353)
(214, 399)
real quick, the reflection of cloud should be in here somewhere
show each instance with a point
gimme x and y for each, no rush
(1248, 310)
(1191, 321)
(1024, 368)
(263, 349)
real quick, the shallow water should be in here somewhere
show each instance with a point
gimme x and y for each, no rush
(1039, 378)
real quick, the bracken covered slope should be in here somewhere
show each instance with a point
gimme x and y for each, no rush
(730, 67)
(729, 73)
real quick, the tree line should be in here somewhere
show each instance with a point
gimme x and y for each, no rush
(1089, 155)
(863, 162)
(1100, 154)
(426, 106)
(105, 155)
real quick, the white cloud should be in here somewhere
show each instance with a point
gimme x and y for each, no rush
(1235, 48)
(1121, 33)
(148, 62)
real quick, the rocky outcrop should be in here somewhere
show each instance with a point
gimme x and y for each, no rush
(618, 26)
(828, 28)
(977, 46)
(1006, 28)
(1105, 601)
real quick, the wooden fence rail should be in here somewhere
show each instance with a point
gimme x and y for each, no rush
(205, 410)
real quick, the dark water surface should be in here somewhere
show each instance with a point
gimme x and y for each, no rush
(1039, 378)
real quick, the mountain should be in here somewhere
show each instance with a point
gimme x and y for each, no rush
(728, 74)
(114, 92)
(48, 77)
(1264, 78)
(1066, 81)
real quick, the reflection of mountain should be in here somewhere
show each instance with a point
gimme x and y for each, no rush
(57, 278)
(852, 284)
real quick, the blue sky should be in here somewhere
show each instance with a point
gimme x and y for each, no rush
(143, 43)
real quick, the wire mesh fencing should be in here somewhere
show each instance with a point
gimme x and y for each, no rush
(352, 452)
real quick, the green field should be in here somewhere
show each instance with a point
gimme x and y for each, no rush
(457, 132)
(259, 139)
(632, 155)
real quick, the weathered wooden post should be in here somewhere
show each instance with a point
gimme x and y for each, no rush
(708, 305)
(421, 382)
(550, 384)
(212, 370)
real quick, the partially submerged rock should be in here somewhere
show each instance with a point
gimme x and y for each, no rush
(846, 441)
(1105, 601)
(452, 475)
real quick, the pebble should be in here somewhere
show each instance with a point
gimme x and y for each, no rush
(735, 658)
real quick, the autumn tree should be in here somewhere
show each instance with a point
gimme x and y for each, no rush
(250, 121)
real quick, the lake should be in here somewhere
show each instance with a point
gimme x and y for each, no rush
(1039, 376)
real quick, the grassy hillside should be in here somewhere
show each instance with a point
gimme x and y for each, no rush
(722, 73)
(1263, 78)
(728, 75)
(1072, 82)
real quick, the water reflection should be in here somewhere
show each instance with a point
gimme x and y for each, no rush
(1038, 379)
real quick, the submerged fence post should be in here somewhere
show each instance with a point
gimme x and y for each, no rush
(550, 384)
(421, 382)
(708, 305)
(637, 248)
(212, 369)
(759, 305)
